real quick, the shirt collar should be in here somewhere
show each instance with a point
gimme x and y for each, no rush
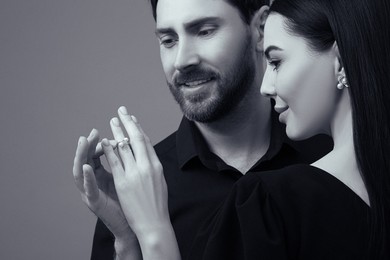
(191, 145)
(278, 137)
(186, 138)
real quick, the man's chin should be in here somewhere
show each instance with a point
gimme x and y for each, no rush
(197, 101)
(200, 118)
(201, 111)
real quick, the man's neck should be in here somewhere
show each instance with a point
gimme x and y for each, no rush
(241, 138)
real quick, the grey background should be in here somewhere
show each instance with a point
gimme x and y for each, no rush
(65, 67)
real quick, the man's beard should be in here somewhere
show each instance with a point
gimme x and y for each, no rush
(232, 87)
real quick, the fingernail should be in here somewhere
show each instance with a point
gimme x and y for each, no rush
(105, 142)
(134, 119)
(115, 121)
(80, 140)
(92, 133)
(123, 110)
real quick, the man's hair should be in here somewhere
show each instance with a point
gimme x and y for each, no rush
(247, 8)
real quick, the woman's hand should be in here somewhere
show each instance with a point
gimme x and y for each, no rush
(141, 188)
(98, 192)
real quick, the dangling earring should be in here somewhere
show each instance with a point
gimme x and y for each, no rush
(342, 79)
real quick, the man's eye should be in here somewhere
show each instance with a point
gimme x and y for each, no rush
(205, 32)
(168, 42)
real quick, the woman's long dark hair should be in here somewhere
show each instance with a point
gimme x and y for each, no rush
(361, 29)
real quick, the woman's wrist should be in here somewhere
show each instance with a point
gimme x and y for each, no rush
(127, 247)
(158, 242)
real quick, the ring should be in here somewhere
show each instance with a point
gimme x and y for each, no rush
(123, 142)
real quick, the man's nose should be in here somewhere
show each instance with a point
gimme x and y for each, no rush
(267, 86)
(186, 56)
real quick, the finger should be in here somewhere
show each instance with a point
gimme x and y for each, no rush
(90, 185)
(99, 149)
(113, 161)
(149, 146)
(124, 149)
(137, 140)
(80, 159)
(93, 139)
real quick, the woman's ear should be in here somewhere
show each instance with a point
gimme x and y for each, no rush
(339, 71)
(257, 26)
(338, 65)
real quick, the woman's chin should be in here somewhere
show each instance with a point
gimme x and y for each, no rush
(296, 134)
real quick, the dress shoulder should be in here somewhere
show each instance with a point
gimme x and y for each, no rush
(248, 222)
(298, 212)
(302, 185)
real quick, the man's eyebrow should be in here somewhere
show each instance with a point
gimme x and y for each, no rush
(160, 31)
(190, 25)
(200, 21)
(271, 48)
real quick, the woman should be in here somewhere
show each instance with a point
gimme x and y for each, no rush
(328, 73)
(338, 207)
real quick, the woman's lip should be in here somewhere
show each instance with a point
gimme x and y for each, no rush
(280, 109)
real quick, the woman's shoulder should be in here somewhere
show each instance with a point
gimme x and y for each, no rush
(314, 207)
(301, 185)
(287, 174)
(300, 177)
(298, 212)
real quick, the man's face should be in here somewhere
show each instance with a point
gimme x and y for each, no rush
(207, 56)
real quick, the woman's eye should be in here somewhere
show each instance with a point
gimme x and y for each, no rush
(275, 64)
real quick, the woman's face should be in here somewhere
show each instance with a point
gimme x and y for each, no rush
(302, 81)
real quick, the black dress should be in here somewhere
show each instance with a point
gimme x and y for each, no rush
(299, 212)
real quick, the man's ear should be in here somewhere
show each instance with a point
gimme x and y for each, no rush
(257, 26)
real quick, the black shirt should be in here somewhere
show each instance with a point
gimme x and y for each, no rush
(298, 212)
(198, 180)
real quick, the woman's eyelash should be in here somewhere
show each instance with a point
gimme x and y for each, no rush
(274, 63)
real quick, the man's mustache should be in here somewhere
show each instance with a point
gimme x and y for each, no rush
(182, 78)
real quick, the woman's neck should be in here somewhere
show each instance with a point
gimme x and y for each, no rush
(341, 162)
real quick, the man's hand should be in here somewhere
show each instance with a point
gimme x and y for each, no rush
(97, 190)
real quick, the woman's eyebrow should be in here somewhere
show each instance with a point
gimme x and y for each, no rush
(271, 48)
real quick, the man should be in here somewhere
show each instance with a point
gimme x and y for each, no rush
(212, 56)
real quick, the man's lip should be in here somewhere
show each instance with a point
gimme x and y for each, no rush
(280, 109)
(192, 83)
